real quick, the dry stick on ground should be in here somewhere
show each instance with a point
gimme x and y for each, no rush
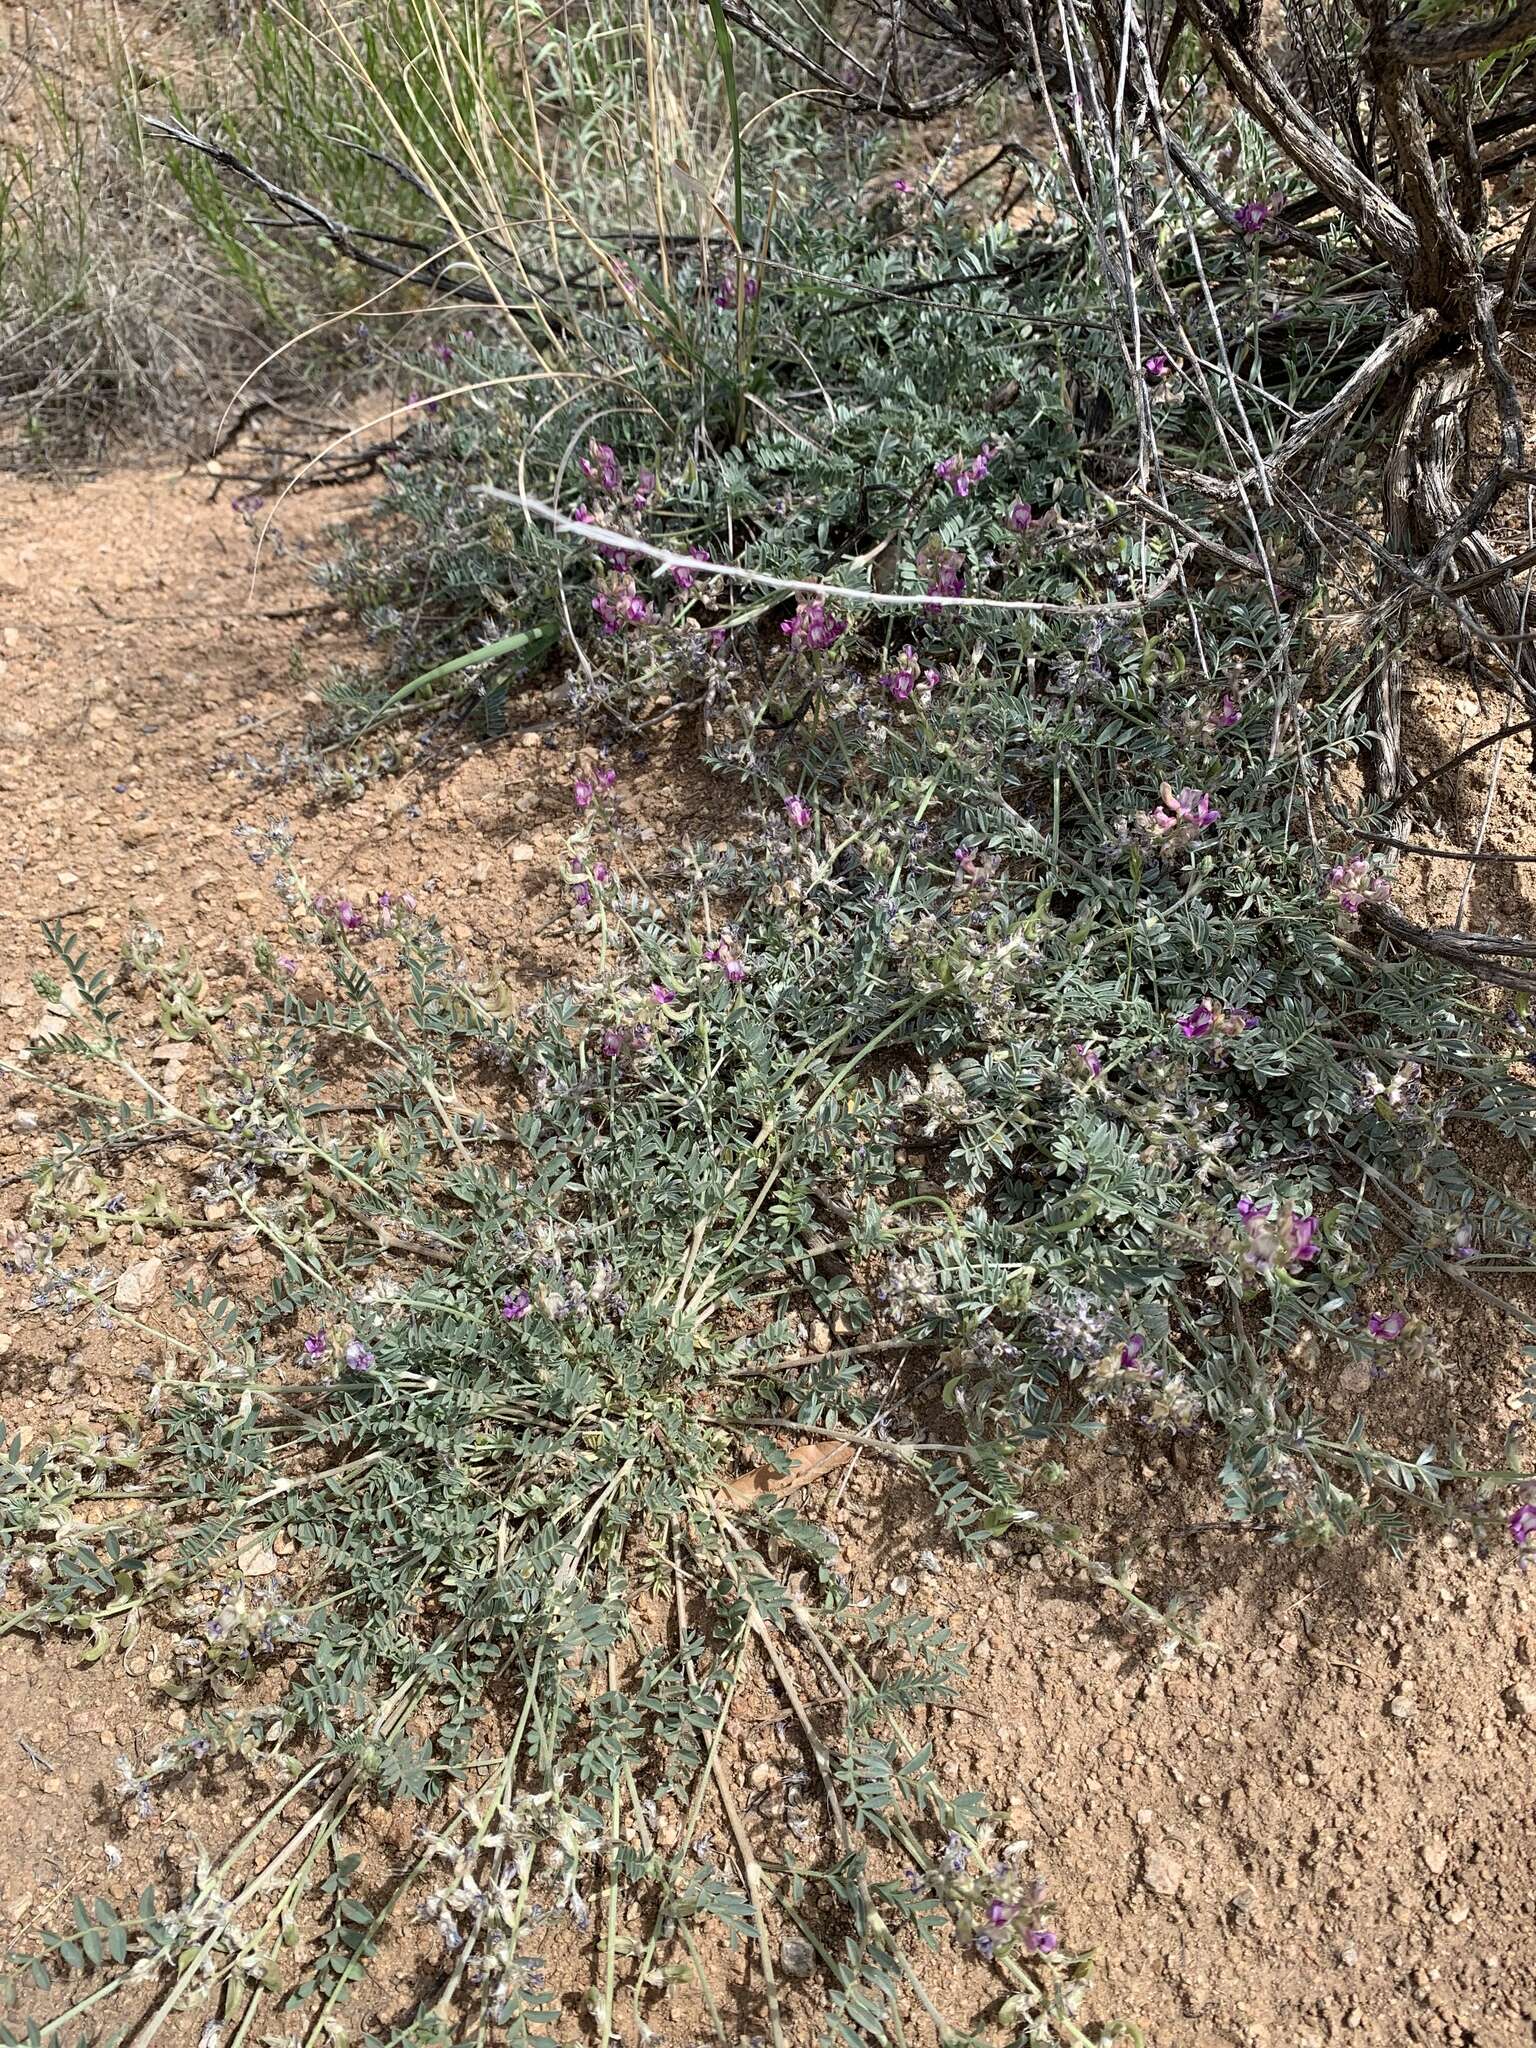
(1485, 955)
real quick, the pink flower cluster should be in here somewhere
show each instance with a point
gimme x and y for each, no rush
(724, 293)
(1226, 714)
(620, 605)
(585, 788)
(813, 630)
(942, 569)
(600, 466)
(1354, 883)
(907, 680)
(1179, 819)
(685, 576)
(619, 1039)
(722, 954)
(959, 474)
(1252, 215)
(581, 888)
(1210, 1019)
(355, 921)
(1276, 1241)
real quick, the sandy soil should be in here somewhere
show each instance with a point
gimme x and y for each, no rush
(1319, 1830)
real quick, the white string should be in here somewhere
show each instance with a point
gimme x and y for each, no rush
(607, 537)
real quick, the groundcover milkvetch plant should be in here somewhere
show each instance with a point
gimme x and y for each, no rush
(1019, 1044)
(1026, 1069)
(500, 1474)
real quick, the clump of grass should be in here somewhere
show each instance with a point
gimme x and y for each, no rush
(114, 319)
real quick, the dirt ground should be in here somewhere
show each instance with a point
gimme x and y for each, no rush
(1321, 1829)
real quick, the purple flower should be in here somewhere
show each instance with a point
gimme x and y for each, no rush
(348, 916)
(1251, 216)
(901, 185)
(317, 1345)
(684, 575)
(1353, 883)
(1227, 712)
(358, 1356)
(1021, 517)
(600, 466)
(1522, 1525)
(515, 1306)
(1040, 1941)
(611, 1044)
(901, 681)
(606, 777)
(942, 570)
(1130, 1352)
(798, 812)
(1000, 1912)
(582, 791)
(959, 474)
(1300, 1234)
(1197, 1022)
(621, 605)
(1181, 815)
(1157, 366)
(1389, 1327)
(811, 629)
(661, 994)
(1090, 1060)
(724, 293)
(1276, 1243)
(719, 954)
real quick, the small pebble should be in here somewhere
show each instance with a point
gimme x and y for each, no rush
(797, 1958)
